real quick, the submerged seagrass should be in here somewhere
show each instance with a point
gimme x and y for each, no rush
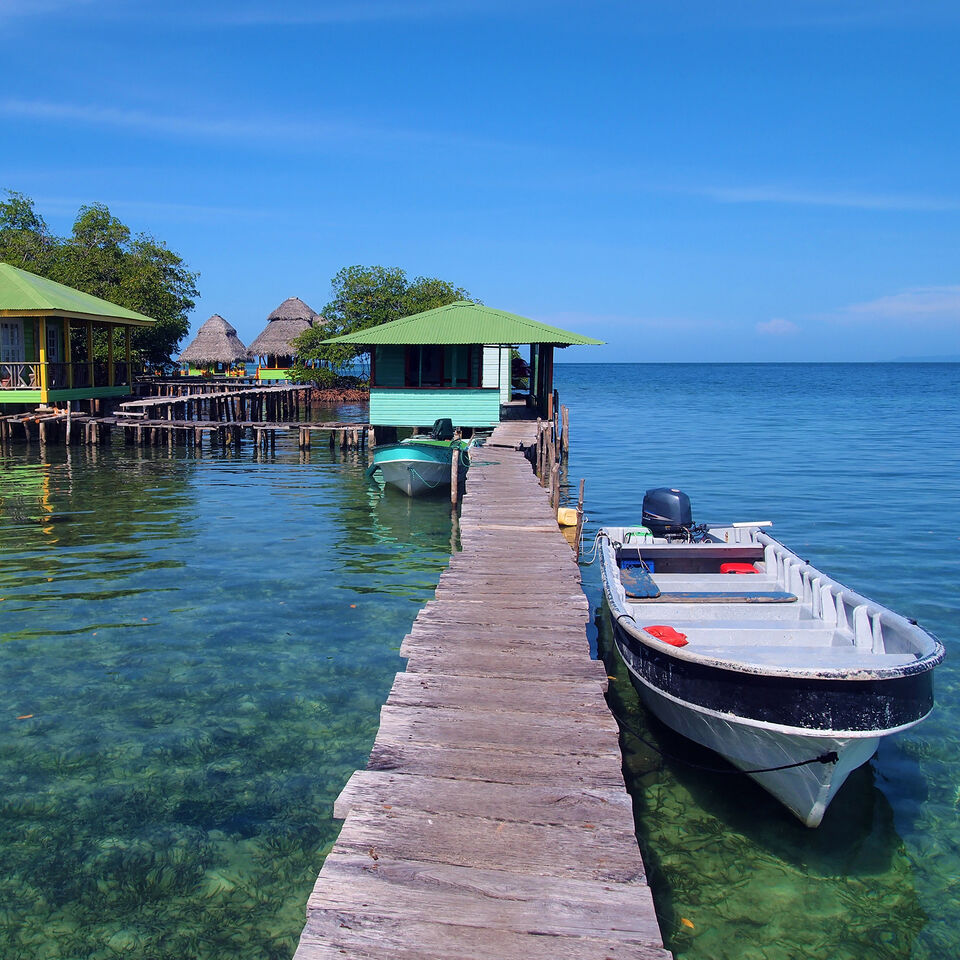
(193, 697)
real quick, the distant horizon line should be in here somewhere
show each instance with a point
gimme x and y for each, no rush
(724, 363)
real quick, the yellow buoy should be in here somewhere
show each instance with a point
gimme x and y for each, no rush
(567, 517)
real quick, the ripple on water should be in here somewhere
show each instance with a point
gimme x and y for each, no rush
(859, 467)
(202, 647)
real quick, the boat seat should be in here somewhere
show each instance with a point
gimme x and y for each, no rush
(803, 658)
(638, 584)
(695, 596)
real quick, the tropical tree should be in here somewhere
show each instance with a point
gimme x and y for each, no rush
(365, 297)
(103, 258)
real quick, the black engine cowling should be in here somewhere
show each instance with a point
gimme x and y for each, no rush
(666, 511)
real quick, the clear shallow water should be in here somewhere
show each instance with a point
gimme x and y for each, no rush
(859, 467)
(198, 649)
(201, 685)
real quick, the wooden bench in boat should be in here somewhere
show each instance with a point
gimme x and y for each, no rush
(639, 585)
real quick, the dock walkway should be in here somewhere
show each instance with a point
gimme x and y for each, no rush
(492, 821)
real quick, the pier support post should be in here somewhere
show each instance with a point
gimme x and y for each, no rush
(539, 447)
(565, 436)
(454, 477)
(579, 519)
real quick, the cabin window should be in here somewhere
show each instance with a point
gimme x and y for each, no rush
(424, 366)
(11, 342)
(460, 369)
(53, 343)
(448, 367)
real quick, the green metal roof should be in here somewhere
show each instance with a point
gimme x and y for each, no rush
(464, 322)
(25, 294)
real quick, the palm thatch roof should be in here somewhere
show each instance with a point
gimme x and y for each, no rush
(284, 325)
(216, 342)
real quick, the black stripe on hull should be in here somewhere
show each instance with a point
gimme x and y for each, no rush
(811, 704)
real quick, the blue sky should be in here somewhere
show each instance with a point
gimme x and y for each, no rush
(752, 180)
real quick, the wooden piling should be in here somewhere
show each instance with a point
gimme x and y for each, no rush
(579, 518)
(455, 477)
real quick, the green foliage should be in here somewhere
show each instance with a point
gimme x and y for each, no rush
(365, 297)
(25, 239)
(101, 257)
(323, 377)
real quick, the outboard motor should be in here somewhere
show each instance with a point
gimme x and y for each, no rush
(442, 429)
(666, 512)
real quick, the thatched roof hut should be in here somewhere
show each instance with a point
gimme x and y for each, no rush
(216, 342)
(284, 325)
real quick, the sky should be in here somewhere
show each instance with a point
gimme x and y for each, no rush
(733, 180)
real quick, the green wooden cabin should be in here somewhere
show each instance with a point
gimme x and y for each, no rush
(458, 361)
(41, 324)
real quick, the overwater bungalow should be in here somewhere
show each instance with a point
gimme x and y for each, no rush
(273, 350)
(457, 362)
(215, 351)
(47, 336)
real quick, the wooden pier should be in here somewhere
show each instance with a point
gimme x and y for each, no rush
(491, 822)
(222, 414)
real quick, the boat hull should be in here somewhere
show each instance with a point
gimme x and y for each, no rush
(804, 790)
(417, 469)
(796, 672)
(417, 477)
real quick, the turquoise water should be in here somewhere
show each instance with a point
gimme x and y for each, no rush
(859, 467)
(197, 649)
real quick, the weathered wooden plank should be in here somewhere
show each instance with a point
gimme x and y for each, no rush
(571, 636)
(530, 803)
(490, 900)
(340, 935)
(590, 851)
(497, 693)
(519, 666)
(518, 732)
(571, 650)
(488, 614)
(465, 763)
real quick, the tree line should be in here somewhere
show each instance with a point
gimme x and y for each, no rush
(103, 257)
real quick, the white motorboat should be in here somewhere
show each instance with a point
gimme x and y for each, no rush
(734, 641)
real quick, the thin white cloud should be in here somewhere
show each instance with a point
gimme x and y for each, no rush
(777, 327)
(305, 133)
(918, 305)
(825, 198)
(168, 124)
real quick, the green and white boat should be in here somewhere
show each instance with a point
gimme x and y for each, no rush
(421, 464)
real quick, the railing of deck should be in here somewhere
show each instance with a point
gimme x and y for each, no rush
(19, 376)
(26, 375)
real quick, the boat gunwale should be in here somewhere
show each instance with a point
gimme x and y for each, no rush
(622, 612)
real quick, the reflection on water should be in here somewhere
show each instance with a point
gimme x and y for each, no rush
(859, 467)
(193, 658)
